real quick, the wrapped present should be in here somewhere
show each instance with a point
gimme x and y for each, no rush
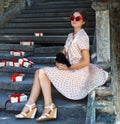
(17, 53)
(38, 34)
(17, 77)
(14, 98)
(3, 63)
(25, 62)
(26, 42)
(14, 63)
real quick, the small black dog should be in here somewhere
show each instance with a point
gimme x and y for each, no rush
(61, 58)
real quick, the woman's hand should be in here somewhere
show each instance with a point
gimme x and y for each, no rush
(61, 66)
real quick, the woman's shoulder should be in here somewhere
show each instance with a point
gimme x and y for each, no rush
(70, 34)
(83, 35)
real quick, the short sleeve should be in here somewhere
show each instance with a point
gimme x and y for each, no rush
(83, 42)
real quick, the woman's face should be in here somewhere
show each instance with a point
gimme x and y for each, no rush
(77, 20)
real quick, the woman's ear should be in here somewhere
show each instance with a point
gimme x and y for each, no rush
(83, 22)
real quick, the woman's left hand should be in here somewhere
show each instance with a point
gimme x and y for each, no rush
(61, 66)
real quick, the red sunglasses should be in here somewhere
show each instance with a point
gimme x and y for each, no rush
(78, 18)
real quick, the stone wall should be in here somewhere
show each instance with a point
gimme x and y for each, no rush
(115, 51)
(108, 11)
(1, 7)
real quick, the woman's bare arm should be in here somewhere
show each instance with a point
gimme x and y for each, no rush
(84, 62)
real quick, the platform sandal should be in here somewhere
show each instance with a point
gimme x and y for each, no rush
(30, 114)
(50, 115)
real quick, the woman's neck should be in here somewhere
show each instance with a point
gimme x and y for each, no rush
(77, 30)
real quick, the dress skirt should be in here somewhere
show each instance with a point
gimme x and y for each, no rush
(76, 84)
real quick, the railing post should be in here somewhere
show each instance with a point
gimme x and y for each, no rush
(102, 31)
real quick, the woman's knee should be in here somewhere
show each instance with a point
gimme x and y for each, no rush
(41, 72)
(37, 72)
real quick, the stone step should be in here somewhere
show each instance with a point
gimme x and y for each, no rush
(41, 40)
(67, 109)
(49, 31)
(100, 106)
(48, 14)
(53, 10)
(38, 25)
(50, 50)
(49, 19)
(56, 40)
(61, 2)
(21, 86)
(61, 5)
(44, 25)
(5, 55)
(7, 84)
(8, 47)
(30, 70)
(36, 49)
(36, 59)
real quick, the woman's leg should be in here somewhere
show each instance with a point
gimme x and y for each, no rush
(35, 92)
(45, 87)
(41, 82)
(49, 108)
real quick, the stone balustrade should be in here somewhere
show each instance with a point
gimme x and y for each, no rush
(6, 5)
(108, 41)
(9, 9)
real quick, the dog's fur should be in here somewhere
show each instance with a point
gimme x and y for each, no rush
(61, 58)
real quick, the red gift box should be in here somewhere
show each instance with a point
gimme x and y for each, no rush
(25, 62)
(3, 63)
(17, 77)
(38, 34)
(14, 63)
(27, 42)
(17, 53)
(17, 98)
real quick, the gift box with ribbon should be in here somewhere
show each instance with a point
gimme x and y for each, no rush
(13, 98)
(25, 62)
(38, 34)
(3, 63)
(17, 77)
(27, 42)
(17, 53)
(14, 63)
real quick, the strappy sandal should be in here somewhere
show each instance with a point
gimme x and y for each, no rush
(51, 114)
(30, 114)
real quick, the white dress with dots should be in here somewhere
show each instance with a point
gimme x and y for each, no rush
(76, 84)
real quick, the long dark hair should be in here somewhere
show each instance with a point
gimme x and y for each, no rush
(83, 13)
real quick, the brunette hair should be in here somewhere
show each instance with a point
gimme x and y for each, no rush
(83, 13)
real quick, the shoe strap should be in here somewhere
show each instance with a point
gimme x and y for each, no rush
(50, 106)
(30, 106)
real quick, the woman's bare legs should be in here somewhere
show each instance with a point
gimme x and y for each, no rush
(41, 83)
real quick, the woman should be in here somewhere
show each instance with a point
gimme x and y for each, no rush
(74, 82)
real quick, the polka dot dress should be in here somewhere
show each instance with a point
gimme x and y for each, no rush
(76, 84)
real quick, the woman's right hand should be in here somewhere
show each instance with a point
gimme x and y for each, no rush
(61, 66)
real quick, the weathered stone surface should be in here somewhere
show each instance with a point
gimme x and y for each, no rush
(102, 30)
(115, 42)
(1, 7)
(103, 36)
(8, 15)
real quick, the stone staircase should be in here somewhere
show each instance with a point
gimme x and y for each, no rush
(51, 17)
